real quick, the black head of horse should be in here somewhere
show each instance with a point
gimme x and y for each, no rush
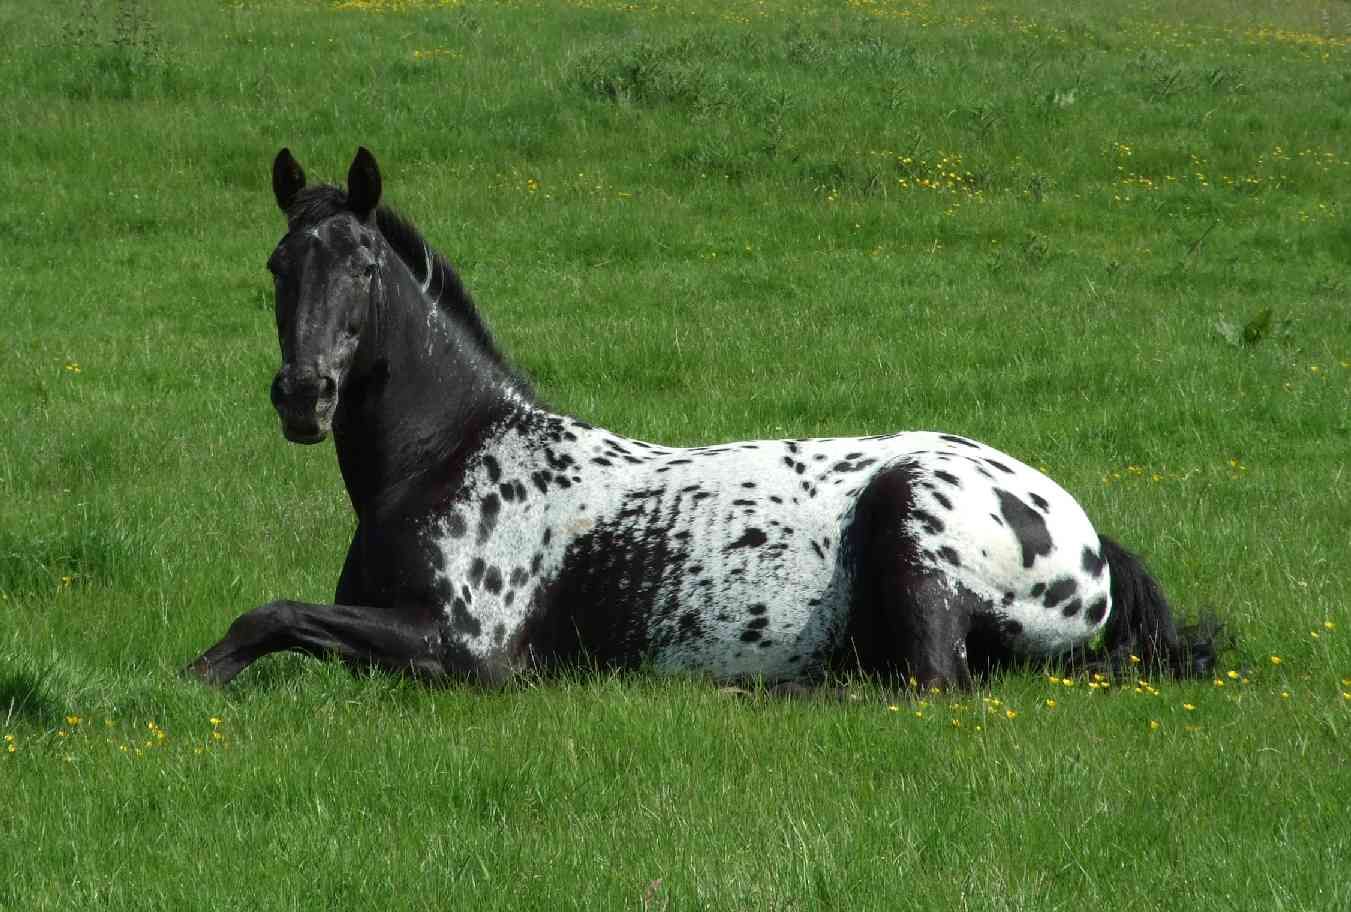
(327, 275)
(380, 343)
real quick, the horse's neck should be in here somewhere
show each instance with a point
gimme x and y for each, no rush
(426, 394)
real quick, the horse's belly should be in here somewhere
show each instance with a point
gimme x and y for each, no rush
(778, 616)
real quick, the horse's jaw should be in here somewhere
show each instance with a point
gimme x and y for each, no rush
(304, 436)
(306, 401)
(307, 425)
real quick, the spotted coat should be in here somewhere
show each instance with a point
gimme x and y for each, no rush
(735, 559)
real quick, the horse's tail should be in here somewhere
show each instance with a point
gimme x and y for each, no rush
(1141, 626)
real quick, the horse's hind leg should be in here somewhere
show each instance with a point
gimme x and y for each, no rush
(906, 619)
(928, 623)
(359, 636)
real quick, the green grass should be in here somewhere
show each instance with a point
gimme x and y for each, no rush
(1041, 226)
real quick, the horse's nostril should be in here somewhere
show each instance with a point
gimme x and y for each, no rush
(328, 387)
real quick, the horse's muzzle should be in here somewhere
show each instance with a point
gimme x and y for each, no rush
(305, 401)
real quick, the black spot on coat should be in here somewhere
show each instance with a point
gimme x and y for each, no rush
(461, 621)
(1027, 525)
(489, 507)
(751, 538)
(1093, 562)
(1096, 611)
(1060, 590)
(494, 470)
(932, 524)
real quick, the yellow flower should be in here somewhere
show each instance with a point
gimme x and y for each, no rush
(1135, 659)
(1328, 625)
(1188, 707)
(1285, 695)
(1050, 704)
(919, 714)
(1219, 682)
(215, 720)
(1231, 675)
(1275, 660)
(1154, 724)
(1010, 714)
(956, 723)
(72, 720)
(892, 708)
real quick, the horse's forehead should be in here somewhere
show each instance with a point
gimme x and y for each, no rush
(340, 235)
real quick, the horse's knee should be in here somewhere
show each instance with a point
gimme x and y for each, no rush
(262, 622)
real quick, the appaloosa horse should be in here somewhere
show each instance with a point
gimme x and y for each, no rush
(494, 535)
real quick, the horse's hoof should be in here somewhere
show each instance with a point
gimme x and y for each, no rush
(199, 671)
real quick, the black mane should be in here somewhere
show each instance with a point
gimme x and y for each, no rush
(314, 204)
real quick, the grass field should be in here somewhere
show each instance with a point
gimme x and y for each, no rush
(1112, 243)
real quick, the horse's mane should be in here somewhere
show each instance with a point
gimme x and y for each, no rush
(429, 268)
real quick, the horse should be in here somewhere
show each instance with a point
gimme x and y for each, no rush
(495, 536)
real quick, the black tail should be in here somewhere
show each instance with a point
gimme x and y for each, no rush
(1141, 625)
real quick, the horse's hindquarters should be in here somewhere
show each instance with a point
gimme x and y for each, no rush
(967, 533)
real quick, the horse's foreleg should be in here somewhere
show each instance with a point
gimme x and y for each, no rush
(362, 637)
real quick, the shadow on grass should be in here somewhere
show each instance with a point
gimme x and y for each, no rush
(24, 696)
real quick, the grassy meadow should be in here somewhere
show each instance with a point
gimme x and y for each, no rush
(1114, 242)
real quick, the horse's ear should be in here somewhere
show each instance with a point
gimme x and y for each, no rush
(363, 184)
(288, 178)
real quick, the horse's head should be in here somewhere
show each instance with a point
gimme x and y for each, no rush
(326, 270)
